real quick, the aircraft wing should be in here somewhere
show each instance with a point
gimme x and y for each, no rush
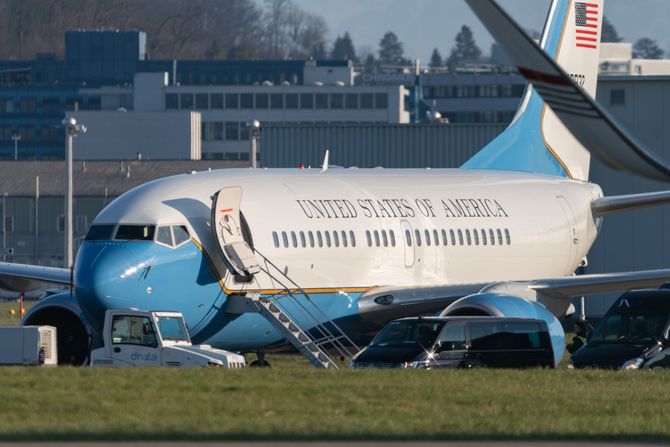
(25, 278)
(588, 121)
(383, 304)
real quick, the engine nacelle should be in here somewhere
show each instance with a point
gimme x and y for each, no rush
(75, 336)
(499, 305)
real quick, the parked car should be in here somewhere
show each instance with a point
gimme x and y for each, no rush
(459, 342)
(633, 334)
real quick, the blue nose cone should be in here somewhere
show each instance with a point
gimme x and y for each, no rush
(107, 276)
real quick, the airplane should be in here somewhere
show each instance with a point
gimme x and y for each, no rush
(501, 235)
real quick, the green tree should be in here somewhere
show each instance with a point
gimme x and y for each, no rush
(609, 33)
(214, 51)
(646, 48)
(465, 49)
(435, 59)
(391, 51)
(343, 49)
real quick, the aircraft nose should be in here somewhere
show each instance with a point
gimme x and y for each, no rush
(107, 276)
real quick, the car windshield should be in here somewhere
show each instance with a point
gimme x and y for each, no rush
(636, 317)
(404, 333)
(172, 328)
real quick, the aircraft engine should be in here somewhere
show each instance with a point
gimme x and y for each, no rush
(501, 305)
(75, 336)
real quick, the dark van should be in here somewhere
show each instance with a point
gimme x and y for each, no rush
(633, 334)
(459, 342)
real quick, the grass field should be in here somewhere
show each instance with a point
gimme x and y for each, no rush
(296, 403)
(292, 401)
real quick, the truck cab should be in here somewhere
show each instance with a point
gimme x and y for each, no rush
(152, 338)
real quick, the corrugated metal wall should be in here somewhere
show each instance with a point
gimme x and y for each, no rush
(370, 145)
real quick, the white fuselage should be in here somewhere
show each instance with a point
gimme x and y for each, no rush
(463, 226)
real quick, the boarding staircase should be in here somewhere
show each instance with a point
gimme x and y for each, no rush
(286, 310)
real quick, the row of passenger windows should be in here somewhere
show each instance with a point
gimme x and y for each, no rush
(387, 238)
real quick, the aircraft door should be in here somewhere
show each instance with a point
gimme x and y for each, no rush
(406, 236)
(227, 227)
(574, 235)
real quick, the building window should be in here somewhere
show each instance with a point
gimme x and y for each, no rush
(60, 223)
(617, 97)
(186, 101)
(381, 100)
(217, 131)
(171, 101)
(366, 100)
(276, 101)
(306, 101)
(336, 101)
(27, 105)
(233, 101)
(351, 100)
(202, 101)
(261, 100)
(232, 131)
(246, 101)
(217, 101)
(9, 224)
(291, 100)
(321, 100)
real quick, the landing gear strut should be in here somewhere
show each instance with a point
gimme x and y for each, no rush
(260, 363)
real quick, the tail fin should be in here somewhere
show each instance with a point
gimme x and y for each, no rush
(536, 140)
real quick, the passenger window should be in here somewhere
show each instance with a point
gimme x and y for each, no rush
(180, 234)
(492, 236)
(484, 237)
(284, 237)
(352, 237)
(453, 338)
(500, 240)
(294, 239)
(303, 241)
(336, 239)
(460, 237)
(344, 238)
(426, 233)
(444, 237)
(475, 234)
(164, 236)
(376, 233)
(392, 236)
(310, 235)
(275, 239)
(452, 236)
(468, 238)
(133, 331)
(368, 237)
(417, 235)
(327, 234)
(319, 239)
(385, 240)
(508, 237)
(408, 238)
(135, 233)
(436, 237)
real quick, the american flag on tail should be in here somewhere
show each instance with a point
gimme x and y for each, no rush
(586, 21)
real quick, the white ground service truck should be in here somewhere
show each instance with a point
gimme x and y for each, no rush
(139, 338)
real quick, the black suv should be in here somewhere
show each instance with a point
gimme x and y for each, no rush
(633, 334)
(459, 342)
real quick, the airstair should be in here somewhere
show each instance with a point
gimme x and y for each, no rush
(290, 308)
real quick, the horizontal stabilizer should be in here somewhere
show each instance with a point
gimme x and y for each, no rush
(589, 122)
(617, 204)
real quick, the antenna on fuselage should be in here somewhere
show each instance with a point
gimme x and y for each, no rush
(324, 167)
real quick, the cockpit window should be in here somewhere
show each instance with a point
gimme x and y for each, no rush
(180, 234)
(100, 232)
(164, 236)
(135, 233)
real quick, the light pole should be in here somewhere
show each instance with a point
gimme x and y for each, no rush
(72, 129)
(16, 137)
(254, 135)
(4, 227)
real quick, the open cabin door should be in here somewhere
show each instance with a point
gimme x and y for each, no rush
(227, 227)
